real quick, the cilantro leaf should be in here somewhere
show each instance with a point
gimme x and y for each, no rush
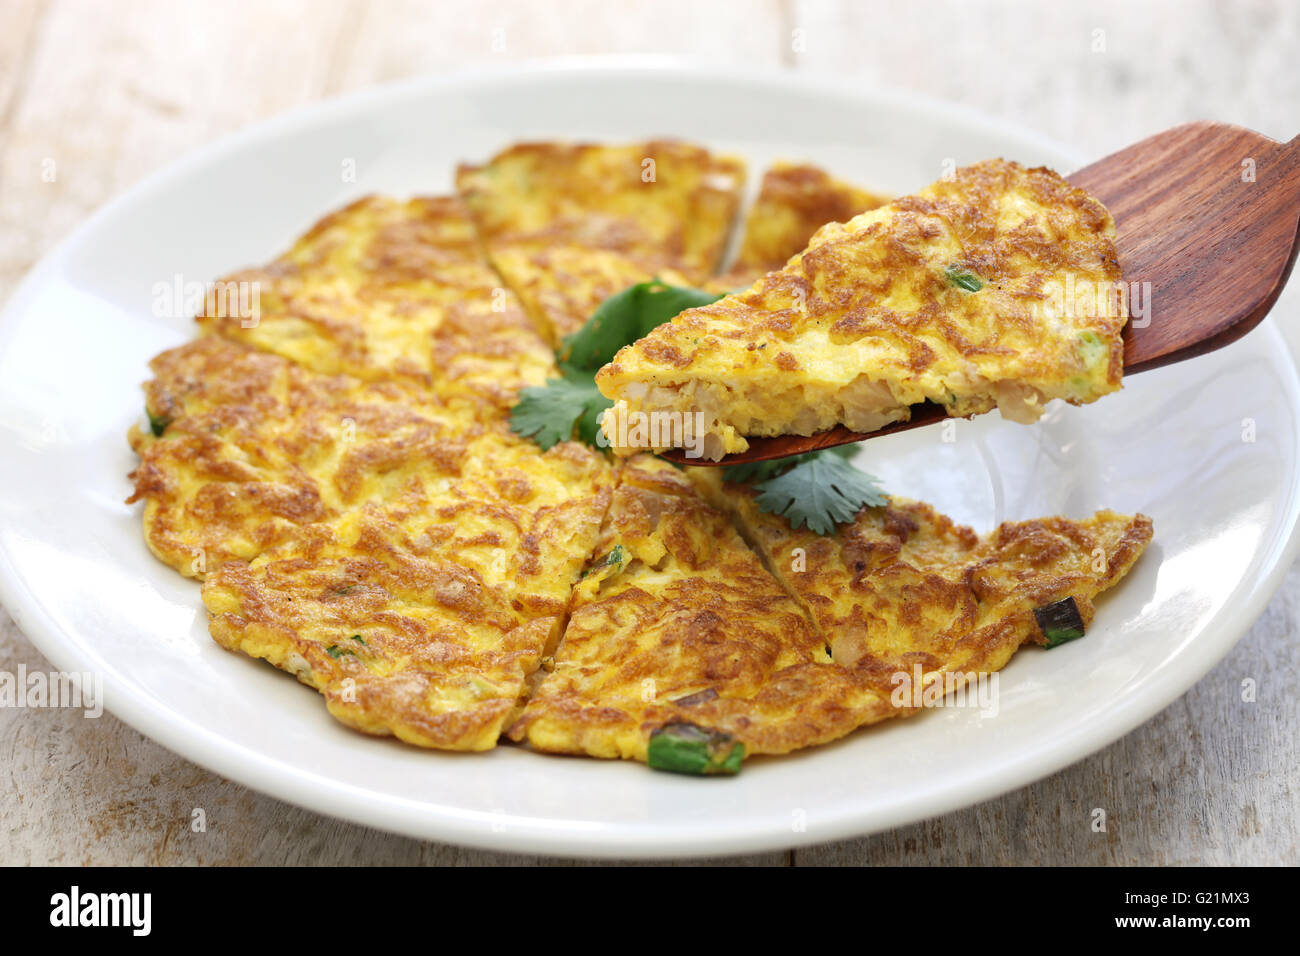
(625, 317)
(571, 406)
(552, 412)
(822, 491)
(963, 278)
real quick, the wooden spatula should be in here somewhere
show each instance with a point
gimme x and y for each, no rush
(1207, 213)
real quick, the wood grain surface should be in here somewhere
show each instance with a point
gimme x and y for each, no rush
(1206, 217)
(94, 96)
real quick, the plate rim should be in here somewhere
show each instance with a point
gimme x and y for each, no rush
(329, 796)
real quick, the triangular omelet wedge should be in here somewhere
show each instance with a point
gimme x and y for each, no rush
(677, 622)
(388, 289)
(903, 586)
(424, 615)
(994, 288)
(570, 224)
(244, 446)
(404, 558)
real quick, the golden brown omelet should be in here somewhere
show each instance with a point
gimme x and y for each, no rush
(954, 295)
(446, 545)
(341, 475)
(903, 585)
(677, 621)
(456, 541)
(386, 289)
(793, 202)
(569, 225)
(253, 445)
(424, 615)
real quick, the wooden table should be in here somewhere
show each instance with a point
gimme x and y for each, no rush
(103, 94)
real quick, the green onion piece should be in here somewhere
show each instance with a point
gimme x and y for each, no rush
(1060, 622)
(336, 652)
(616, 558)
(358, 638)
(963, 278)
(158, 423)
(686, 748)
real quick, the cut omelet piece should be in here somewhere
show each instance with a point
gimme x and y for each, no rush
(903, 586)
(245, 446)
(678, 623)
(399, 641)
(387, 289)
(424, 616)
(570, 224)
(251, 446)
(995, 288)
(794, 201)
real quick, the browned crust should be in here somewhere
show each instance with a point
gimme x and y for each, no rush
(255, 446)
(692, 616)
(904, 585)
(293, 610)
(386, 289)
(569, 224)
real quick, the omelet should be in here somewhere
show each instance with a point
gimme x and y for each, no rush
(992, 289)
(245, 446)
(313, 505)
(677, 623)
(679, 628)
(904, 586)
(387, 289)
(570, 224)
(423, 616)
(794, 201)
(338, 470)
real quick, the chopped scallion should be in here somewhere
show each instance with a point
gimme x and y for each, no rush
(686, 748)
(1060, 622)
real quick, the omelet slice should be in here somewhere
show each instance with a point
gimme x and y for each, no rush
(399, 641)
(677, 623)
(995, 288)
(570, 224)
(384, 289)
(423, 616)
(794, 201)
(904, 587)
(245, 446)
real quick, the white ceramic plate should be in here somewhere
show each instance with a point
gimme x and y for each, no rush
(75, 573)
